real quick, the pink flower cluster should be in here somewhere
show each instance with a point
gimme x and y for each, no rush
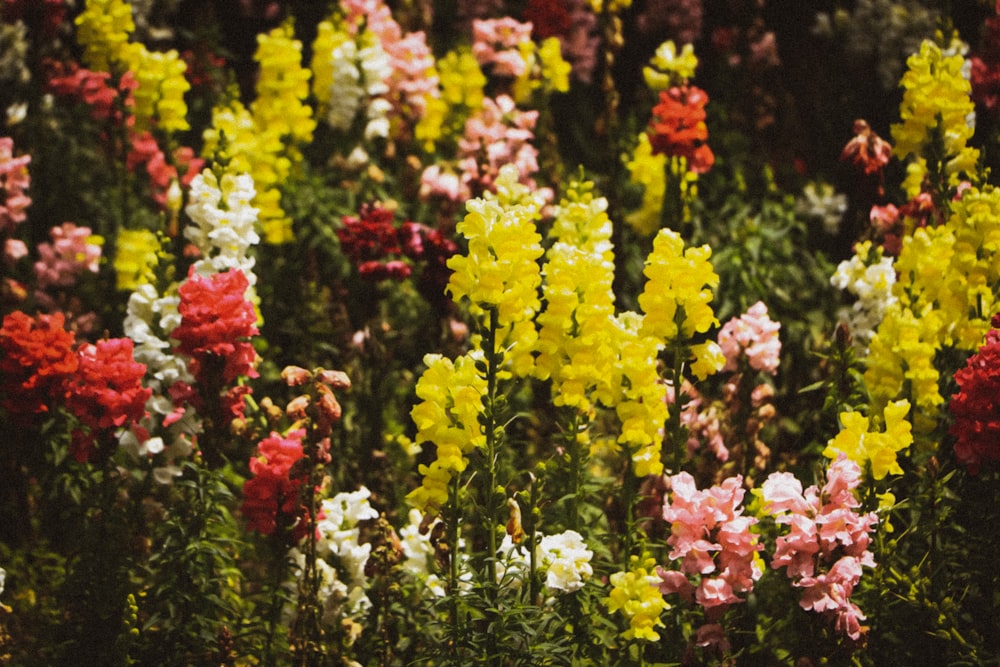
(14, 182)
(827, 540)
(496, 42)
(69, 255)
(272, 497)
(498, 134)
(711, 538)
(754, 335)
(412, 62)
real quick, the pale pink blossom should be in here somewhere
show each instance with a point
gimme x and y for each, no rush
(14, 249)
(70, 254)
(495, 43)
(14, 182)
(754, 335)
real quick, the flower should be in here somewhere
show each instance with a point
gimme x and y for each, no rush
(754, 335)
(636, 594)
(136, 255)
(339, 533)
(272, 497)
(38, 360)
(678, 127)
(976, 425)
(566, 561)
(73, 251)
(495, 43)
(105, 394)
(14, 183)
(669, 68)
(879, 449)
(827, 542)
(216, 322)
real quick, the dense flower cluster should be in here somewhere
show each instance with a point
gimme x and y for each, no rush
(711, 537)
(636, 594)
(136, 254)
(496, 45)
(753, 335)
(678, 127)
(14, 183)
(868, 276)
(827, 540)
(216, 324)
(451, 401)
(73, 251)
(370, 240)
(877, 449)
(669, 68)
(459, 94)
(223, 223)
(936, 103)
(977, 420)
(500, 271)
(272, 498)
(339, 538)
(105, 394)
(38, 359)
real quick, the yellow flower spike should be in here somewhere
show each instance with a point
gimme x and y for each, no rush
(878, 449)
(668, 68)
(136, 255)
(103, 29)
(636, 595)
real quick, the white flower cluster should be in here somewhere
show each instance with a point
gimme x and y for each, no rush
(819, 201)
(418, 552)
(360, 73)
(339, 536)
(224, 223)
(563, 558)
(869, 276)
(148, 322)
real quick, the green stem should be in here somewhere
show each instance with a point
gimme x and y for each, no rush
(453, 573)
(491, 510)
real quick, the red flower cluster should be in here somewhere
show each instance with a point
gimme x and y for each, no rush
(272, 497)
(369, 240)
(548, 18)
(375, 245)
(678, 127)
(216, 322)
(105, 393)
(975, 407)
(38, 359)
(985, 72)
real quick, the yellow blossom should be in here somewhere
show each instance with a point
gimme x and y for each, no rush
(864, 446)
(103, 29)
(668, 68)
(636, 594)
(136, 255)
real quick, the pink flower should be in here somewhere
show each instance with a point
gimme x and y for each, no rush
(754, 335)
(14, 182)
(495, 42)
(67, 257)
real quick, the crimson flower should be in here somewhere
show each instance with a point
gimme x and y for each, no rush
(272, 497)
(975, 408)
(37, 360)
(105, 393)
(370, 240)
(217, 321)
(678, 127)
(548, 18)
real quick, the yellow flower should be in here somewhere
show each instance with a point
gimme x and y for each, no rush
(863, 446)
(500, 271)
(936, 107)
(451, 401)
(136, 255)
(461, 83)
(668, 68)
(636, 594)
(103, 29)
(160, 93)
(679, 289)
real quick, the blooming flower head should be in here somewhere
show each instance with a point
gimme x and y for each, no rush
(669, 68)
(711, 538)
(106, 394)
(372, 242)
(679, 289)
(495, 45)
(879, 448)
(339, 532)
(500, 271)
(37, 361)
(753, 335)
(976, 425)
(216, 323)
(73, 251)
(678, 127)
(566, 561)
(636, 594)
(272, 497)
(14, 182)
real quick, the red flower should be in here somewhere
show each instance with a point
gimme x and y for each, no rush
(216, 322)
(867, 151)
(678, 127)
(105, 393)
(37, 360)
(272, 497)
(975, 407)
(548, 18)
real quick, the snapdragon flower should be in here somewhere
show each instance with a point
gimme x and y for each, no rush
(72, 252)
(874, 448)
(869, 276)
(14, 183)
(753, 335)
(636, 594)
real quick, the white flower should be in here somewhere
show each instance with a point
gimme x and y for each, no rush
(417, 547)
(567, 560)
